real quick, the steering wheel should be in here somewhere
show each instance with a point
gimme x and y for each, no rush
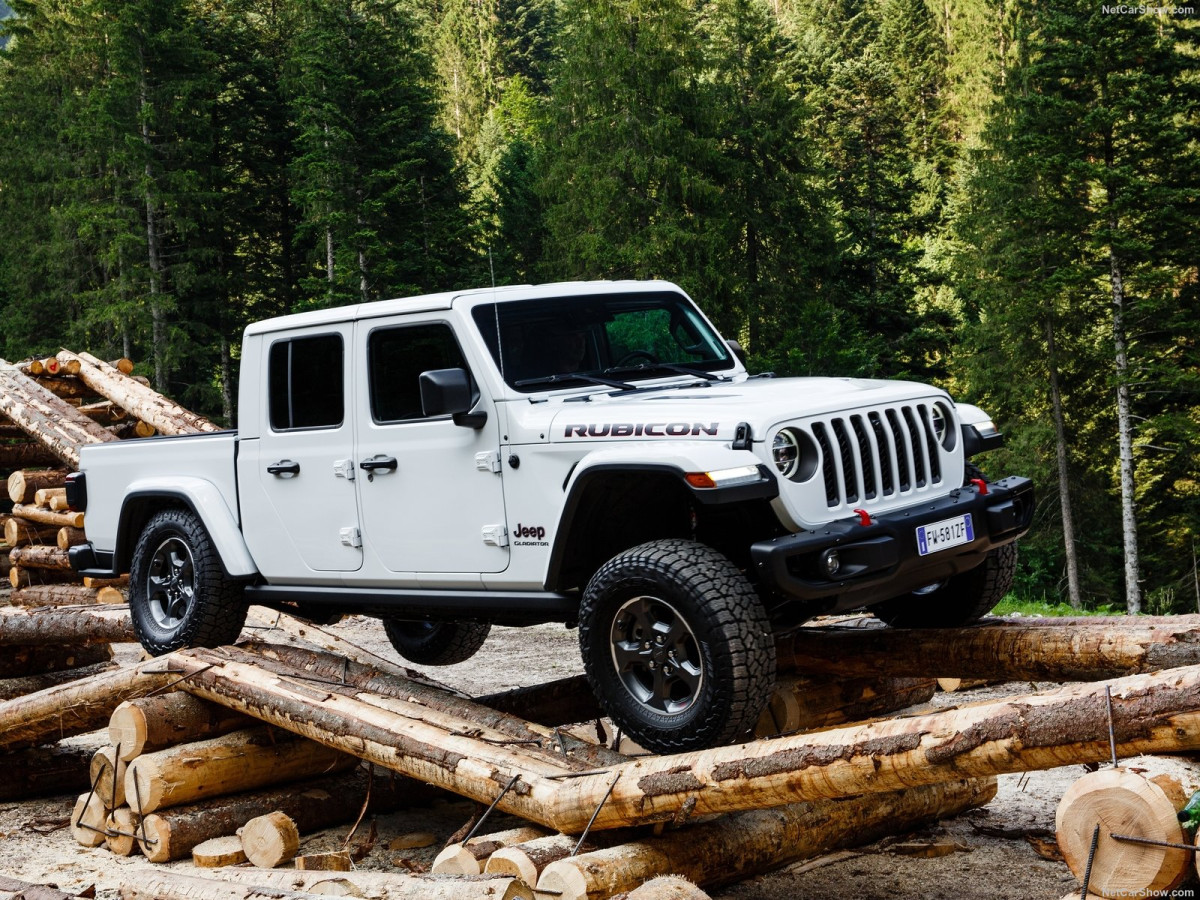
(637, 354)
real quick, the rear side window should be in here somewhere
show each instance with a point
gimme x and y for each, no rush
(306, 383)
(397, 357)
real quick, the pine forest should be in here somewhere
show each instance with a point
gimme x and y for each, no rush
(1000, 197)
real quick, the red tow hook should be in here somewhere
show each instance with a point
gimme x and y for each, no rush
(864, 517)
(981, 484)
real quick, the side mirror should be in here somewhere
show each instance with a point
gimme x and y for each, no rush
(447, 392)
(737, 351)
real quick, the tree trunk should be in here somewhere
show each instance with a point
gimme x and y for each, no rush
(76, 707)
(332, 861)
(40, 557)
(55, 595)
(26, 455)
(44, 772)
(67, 388)
(149, 724)
(92, 625)
(122, 825)
(1133, 590)
(23, 485)
(20, 577)
(107, 774)
(51, 498)
(37, 659)
(47, 517)
(1074, 595)
(562, 702)
(270, 840)
(384, 885)
(11, 688)
(809, 703)
(66, 538)
(20, 533)
(53, 422)
(999, 649)
(240, 761)
(528, 860)
(469, 858)
(138, 400)
(750, 843)
(665, 887)
(88, 820)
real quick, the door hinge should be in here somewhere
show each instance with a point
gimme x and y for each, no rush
(495, 535)
(488, 462)
(351, 537)
(344, 468)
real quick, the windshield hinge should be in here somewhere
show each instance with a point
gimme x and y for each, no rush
(495, 535)
(488, 461)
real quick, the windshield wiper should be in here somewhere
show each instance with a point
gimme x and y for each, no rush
(669, 367)
(574, 376)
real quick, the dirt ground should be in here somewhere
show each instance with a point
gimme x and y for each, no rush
(994, 858)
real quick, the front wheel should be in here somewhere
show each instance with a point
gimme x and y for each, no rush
(436, 643)
(677, 646)
(179, 594)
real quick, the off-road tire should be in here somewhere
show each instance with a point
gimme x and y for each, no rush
(963, 598)
(209, 607)
(436, 643)
(729, 633)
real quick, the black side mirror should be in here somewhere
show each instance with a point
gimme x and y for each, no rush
(737, 350)
(447, 392)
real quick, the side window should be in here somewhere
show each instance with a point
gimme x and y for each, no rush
(396, 358)
(305, 383)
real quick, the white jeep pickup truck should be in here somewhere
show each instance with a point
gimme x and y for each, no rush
(589, 453)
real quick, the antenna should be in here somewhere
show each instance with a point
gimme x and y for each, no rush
(496, 313)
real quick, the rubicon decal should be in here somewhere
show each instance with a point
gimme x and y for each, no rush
(643, 429)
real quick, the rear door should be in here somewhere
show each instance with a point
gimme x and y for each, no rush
(298, 505)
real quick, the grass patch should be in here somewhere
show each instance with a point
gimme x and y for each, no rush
(1027, 607)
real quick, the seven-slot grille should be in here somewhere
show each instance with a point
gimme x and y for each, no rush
(877, 454)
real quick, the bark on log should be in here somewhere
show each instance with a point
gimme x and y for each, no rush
(148, 405)
(665, 887)
(66, 538)
(174, 833)
(257, 884)
(81, 625)
(219, 851)
(806, 704)
(749, 843)
(46, 418)
(11, 688)
(40, 557)
(1131, 802)
(528, 860)
(270, 840)
(333, 861)
(386, 885)
(122, 825)
(55, 595)
(26, 454)
(68, 387)
(13, 889)
(470, 857)
(37, 659)
(107, 775)
(150, 724)
(20, 577)
(101, 583)
(48, 517)
(76, 707)
(19, 533)
(562, 702)
(23, 485)
(44, 772)
(1077, 649)
(239, 761)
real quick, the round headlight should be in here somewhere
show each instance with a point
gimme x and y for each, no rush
(786, 452)
(941, 419)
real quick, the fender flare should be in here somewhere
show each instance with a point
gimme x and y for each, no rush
(205, 501)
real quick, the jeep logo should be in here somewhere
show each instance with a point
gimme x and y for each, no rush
(530, 531)
(651, 429)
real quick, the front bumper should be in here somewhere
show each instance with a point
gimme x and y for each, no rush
(881, 560)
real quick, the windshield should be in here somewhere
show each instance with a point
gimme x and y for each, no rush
(611, 340)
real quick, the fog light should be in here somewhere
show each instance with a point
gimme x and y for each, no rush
(830, 562)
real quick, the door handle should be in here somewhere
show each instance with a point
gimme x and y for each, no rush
(284, 467)
(375, 463)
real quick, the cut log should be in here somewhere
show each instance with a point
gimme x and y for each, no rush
(950, 685)
(270, 840)
(13, 889)
(20, 577)
(665, 887)
(76, 707)
(108, 777)
(386, 885)
(469, 858)
(239, 761)
(122, 825)
(999, 649)
(562, 702)
(67, 387)
(285, 884)
(26, 454)
(174, 833)
(44, 772)
(31, 684)
(55, 595)
(46, 496)
(140, 401)
(122, 365)
(90, 625)
(57, 425)
(806, 704)
(23, 485)
(37, 659)
(1124, 802)
(221, 851)
(66, 538)
(749, 843)
(527, 861)
(19, 533)
(51, 366)
(47, 516)
(333, 861)
(88, 820)
(150, 724)
(118, 583)
(40, 557)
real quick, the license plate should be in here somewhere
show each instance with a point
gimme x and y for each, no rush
(945, 534)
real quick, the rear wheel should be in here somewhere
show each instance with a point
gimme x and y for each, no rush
(179, 594)
(677, 646)
(436, 643)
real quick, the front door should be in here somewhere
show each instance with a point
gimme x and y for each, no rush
(431, 497)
